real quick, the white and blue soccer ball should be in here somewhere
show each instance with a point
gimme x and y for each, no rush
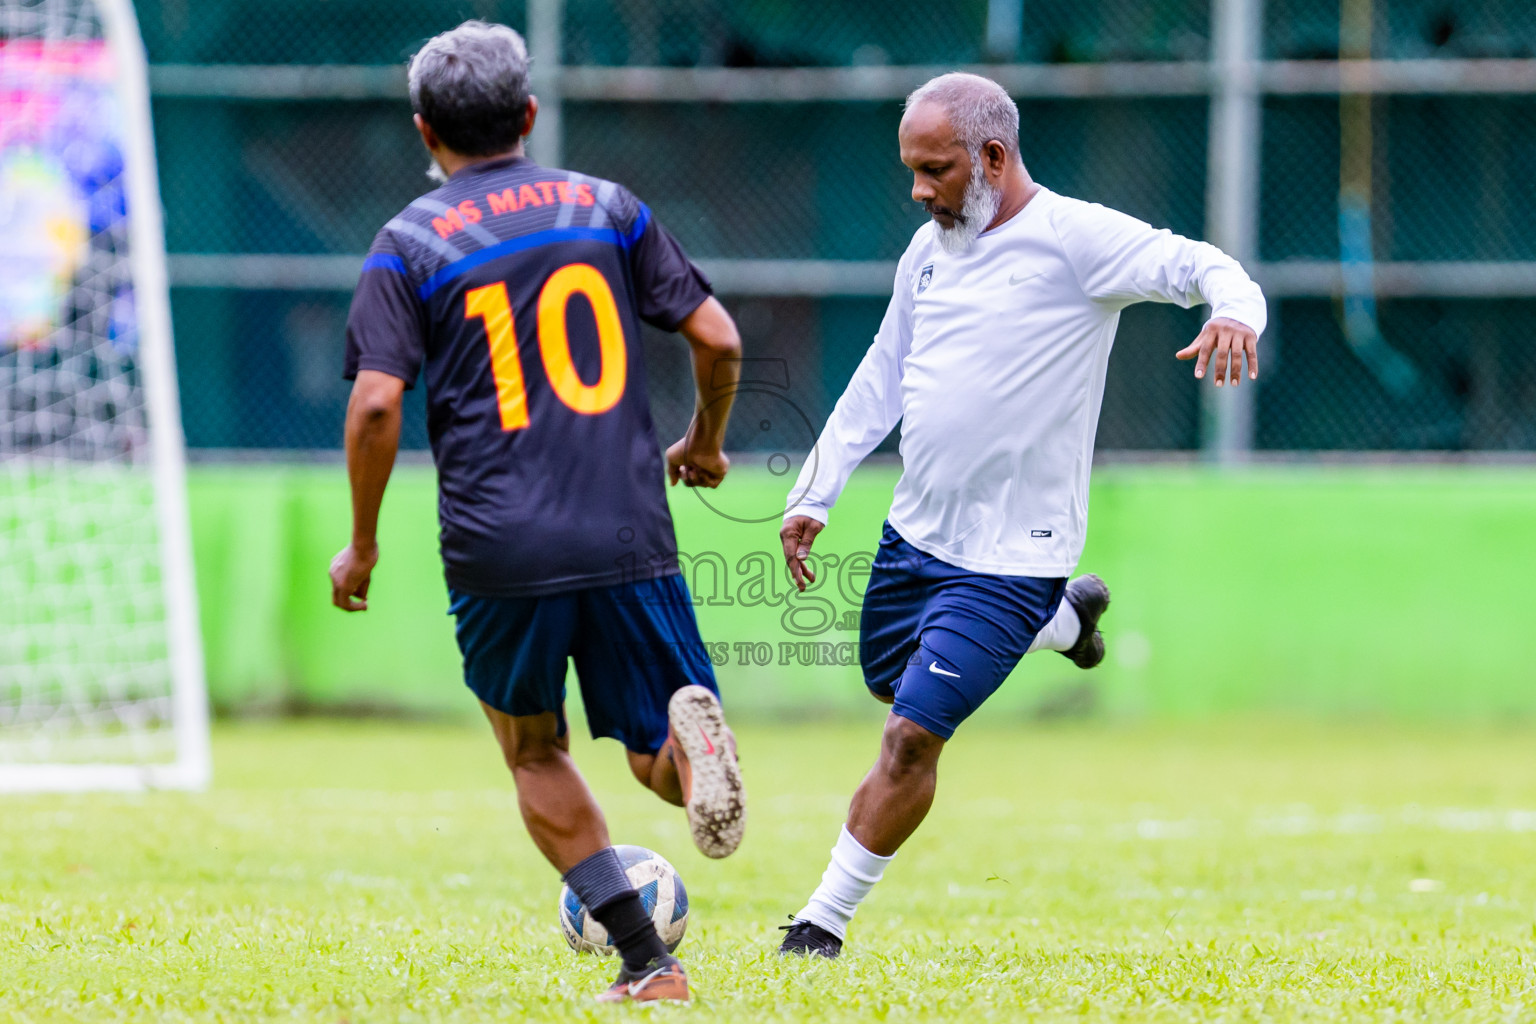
(661, 894)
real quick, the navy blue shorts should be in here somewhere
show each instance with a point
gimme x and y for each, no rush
(941, 639)
(634, 645)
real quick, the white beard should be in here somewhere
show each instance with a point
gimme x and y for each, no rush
(977, 209)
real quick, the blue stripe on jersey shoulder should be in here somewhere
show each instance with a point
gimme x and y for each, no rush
(642, 220)
(384, 261)
(534, 240)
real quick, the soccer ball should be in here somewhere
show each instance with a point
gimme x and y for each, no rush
(661, 894)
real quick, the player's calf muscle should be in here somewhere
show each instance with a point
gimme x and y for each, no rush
(558, 809)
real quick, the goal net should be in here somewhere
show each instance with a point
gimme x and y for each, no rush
(101, 683)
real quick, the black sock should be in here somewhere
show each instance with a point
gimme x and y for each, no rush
(603, 888)
(631, 930)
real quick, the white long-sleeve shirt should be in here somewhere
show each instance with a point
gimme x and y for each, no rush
(994, 362)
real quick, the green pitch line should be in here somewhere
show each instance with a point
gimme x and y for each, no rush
(1216, 872)
(1354, 590)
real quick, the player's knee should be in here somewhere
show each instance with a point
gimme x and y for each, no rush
(534, 753)
(528, 741)
(908, 748)
(644, 766)
(641, 766)
(658, 773)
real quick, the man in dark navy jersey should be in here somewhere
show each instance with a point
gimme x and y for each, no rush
(520, 291)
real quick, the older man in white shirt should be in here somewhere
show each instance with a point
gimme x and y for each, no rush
(992, 354)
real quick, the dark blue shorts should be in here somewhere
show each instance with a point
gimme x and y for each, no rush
(634, 645)
(941, 639)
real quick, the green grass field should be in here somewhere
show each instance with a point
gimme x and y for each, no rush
(1191, 872)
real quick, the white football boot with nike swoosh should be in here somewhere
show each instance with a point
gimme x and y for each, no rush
(705, 751)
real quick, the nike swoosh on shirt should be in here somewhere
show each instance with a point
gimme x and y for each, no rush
(933, 667)
(1016, 279)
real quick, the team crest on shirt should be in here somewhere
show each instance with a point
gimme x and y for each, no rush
(924, 278)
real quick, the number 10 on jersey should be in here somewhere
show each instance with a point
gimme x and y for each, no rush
(491, 305)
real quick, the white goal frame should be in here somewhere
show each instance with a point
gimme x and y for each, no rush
(192, 766)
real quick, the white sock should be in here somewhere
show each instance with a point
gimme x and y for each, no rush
(852, 872)
(1061, 632)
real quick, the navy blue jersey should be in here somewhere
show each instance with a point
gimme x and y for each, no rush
(521, 289)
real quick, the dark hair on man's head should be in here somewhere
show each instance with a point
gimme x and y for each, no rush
(471, 86)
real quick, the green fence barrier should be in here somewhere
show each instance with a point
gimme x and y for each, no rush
(1380, 590)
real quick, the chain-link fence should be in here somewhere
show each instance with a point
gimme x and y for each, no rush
(1453, 178)
(754, 169)
(681, 33)
(1473, 385)
(305, 32)
(1404, 29)
(831, 33)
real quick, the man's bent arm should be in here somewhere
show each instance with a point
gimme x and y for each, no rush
(1120, 260)
(372, 440)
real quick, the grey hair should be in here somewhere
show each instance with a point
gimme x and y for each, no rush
(471, 85)
(979, 110)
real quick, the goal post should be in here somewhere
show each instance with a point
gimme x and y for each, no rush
(101, 665)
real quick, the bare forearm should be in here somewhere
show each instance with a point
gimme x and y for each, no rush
(372, 438)
(716, 351)
(715, 375)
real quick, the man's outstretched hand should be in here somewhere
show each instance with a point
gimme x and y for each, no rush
(798, 534)
(695, 466)
(1223, 342)
(351, 571)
